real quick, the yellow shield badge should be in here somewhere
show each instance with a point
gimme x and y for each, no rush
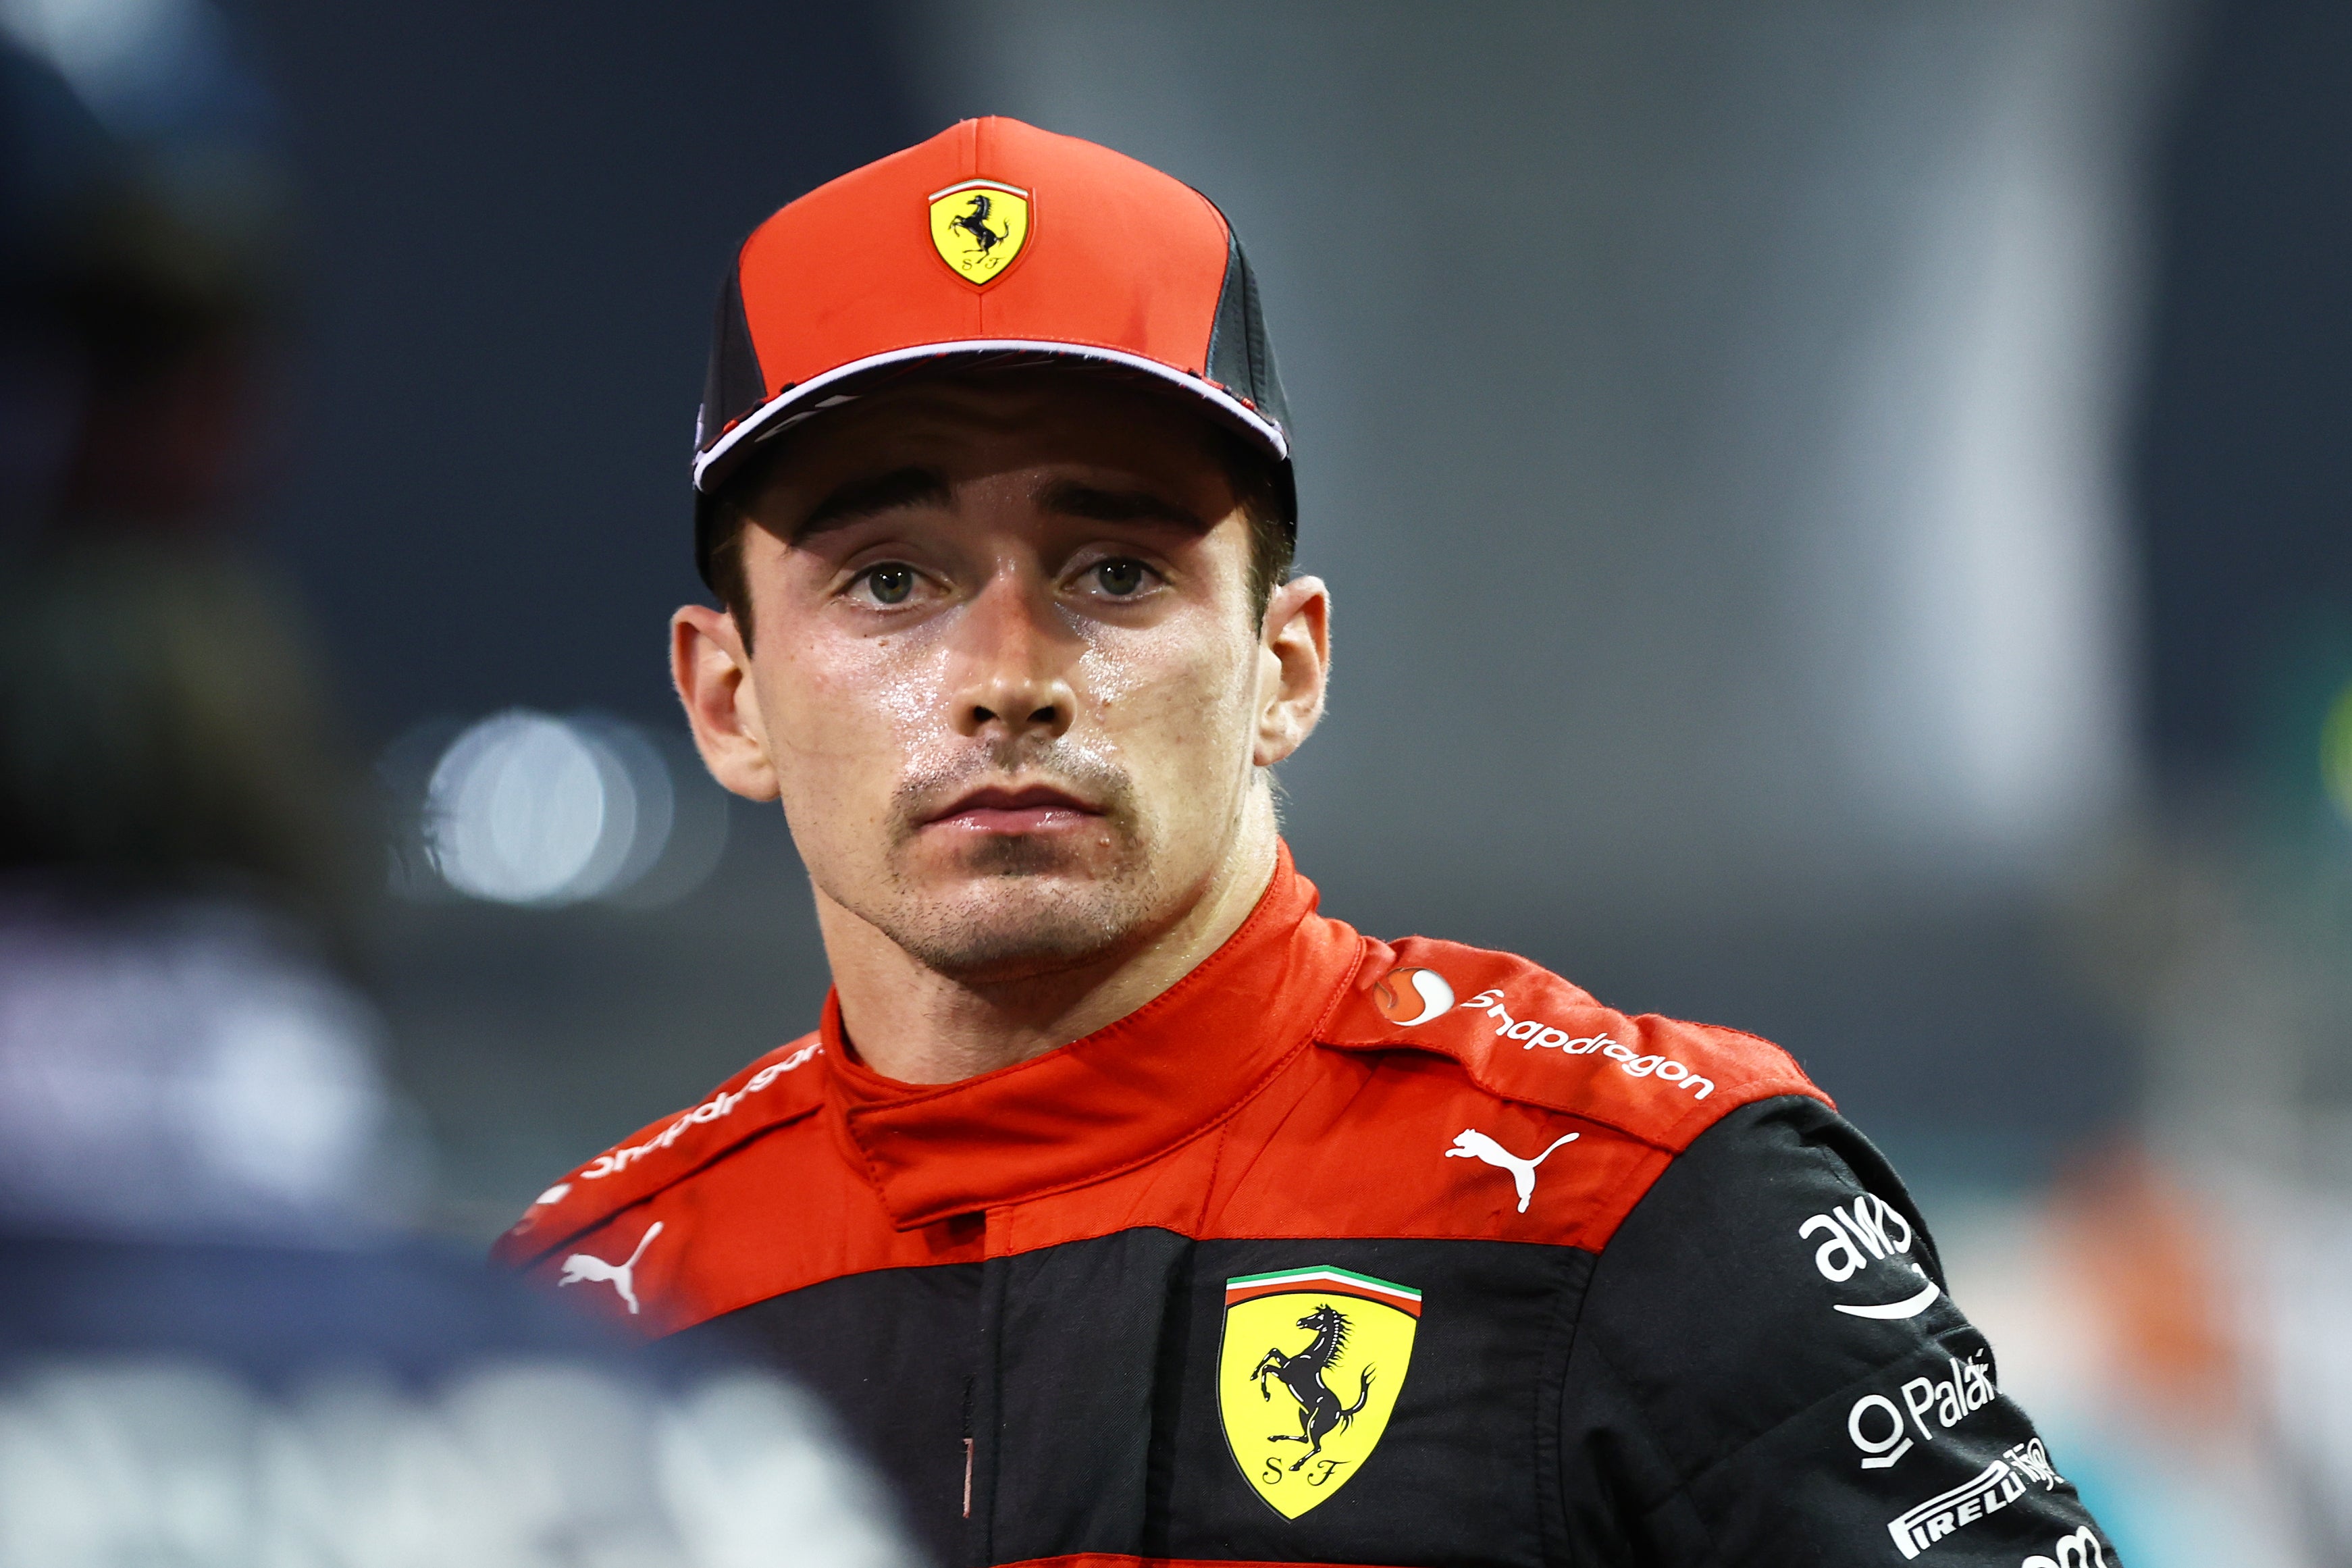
(1310, 1368)
(978, 227)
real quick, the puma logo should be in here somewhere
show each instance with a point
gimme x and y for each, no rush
(581, 1267)
(1473, 1144)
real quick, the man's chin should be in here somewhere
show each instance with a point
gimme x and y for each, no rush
(992, 859)
(1004, 927)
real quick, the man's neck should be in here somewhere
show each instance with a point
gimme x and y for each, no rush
(913, 1024)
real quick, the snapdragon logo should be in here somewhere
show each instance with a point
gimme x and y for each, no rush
(1538, 1036)
(711, 1110)
(1408, 997)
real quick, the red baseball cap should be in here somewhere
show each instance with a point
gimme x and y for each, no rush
(992, 241)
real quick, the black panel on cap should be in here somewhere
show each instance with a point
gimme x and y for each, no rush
(1240, 358)
(734, 385)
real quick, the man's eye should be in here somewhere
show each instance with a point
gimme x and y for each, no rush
(890, 585)
(1121, 579)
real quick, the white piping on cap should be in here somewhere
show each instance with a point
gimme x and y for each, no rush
(796, 397)
(979, 185)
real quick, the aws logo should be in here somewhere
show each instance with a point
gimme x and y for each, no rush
(1410, 997)
(979, 226)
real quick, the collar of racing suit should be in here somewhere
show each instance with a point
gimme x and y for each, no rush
(1165, 1074)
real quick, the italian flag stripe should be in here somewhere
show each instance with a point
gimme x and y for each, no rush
(1248, 1285)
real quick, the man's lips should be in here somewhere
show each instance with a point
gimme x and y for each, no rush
(1037, 809)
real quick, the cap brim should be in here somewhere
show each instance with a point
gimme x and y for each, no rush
(845, 382)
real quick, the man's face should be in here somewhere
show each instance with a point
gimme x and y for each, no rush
(1006, 675)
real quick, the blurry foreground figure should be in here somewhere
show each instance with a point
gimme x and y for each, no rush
(235, 1403)
(178, 1047)
(213, 1347)
(176, 1052)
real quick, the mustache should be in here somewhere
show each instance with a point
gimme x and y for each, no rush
(1022, 760)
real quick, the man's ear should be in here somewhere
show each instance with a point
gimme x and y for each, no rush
(1294, 666)
(712, 672)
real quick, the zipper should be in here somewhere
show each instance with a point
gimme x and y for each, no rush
(967, 1448)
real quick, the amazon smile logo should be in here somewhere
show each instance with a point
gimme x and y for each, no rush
(1868, 1243)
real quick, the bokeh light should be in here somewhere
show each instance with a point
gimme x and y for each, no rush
(531, 809)
(2335, 752)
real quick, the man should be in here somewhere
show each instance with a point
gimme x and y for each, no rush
(1129, 1208)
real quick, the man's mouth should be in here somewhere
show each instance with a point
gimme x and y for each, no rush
(1038, 808)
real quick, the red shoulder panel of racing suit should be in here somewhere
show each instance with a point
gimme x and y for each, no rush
(1304, 1081)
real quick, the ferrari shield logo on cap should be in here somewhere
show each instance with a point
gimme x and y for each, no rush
(979, 226)
(1310, 1368)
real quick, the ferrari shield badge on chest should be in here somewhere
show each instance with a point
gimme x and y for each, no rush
(979, 226)
(1310, 1368)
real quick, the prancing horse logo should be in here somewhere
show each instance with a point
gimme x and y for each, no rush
(582, 1266)
(1342, 1383)
(974, 221)
(979, 226)
(1320, 1409)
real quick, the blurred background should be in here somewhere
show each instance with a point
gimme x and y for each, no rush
(1837, 513)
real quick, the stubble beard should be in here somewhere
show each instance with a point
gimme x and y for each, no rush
(1021, 908)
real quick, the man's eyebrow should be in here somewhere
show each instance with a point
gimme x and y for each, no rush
(863, 497)
(1098, 504)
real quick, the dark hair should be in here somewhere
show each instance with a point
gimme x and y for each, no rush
(1251, 472)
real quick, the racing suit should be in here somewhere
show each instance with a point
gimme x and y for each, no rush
(1340, 1251)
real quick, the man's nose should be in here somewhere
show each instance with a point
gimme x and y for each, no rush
(1014, 653)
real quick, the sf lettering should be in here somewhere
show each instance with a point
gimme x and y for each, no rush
(1318, 1472)
(1876, 1426)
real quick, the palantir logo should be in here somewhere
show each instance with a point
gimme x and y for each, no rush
(1875, 1424)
